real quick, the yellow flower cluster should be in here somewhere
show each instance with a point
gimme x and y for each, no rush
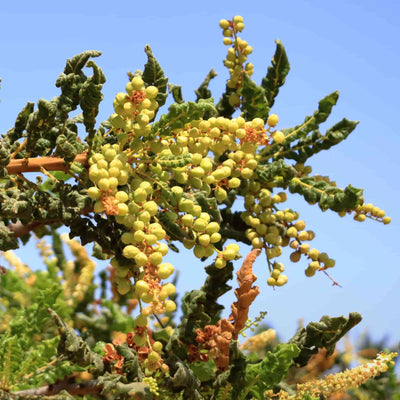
(340, 382)
(21, 268)
(349, 379)
(86, 265)
(259, 341)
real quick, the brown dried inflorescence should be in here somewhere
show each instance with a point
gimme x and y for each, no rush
(113, 357)
(216, 338)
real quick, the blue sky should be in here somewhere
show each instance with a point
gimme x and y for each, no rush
(351, 46)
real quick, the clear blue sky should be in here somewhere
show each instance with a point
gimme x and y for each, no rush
(346, 44)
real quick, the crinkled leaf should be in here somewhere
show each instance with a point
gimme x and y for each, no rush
(271, 370)
(205, 371)
(326, 195)
(176, 91)
(214, 287)
(325, 333)
(254, 100)
(276, 74)
(180, 114)
(314, 143)
(153, 75)
(90, 96)
(223, 106)
(184, 378)
(202, 92)
(74, 348)
(194, 316)
(310, 124)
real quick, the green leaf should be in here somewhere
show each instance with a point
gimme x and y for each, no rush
(182, 377)
(276, 74)
(90, 97)
(205, 371)
(115, 386)
(208, 205)
(176, 91)
(180, 114)
(326, 194)
(153, 75)
(58, 175)
(254, 100)
(7, 239)
(214, 287)
(325, 333)
(202, 92)
(271, 370)
(310, 123)
(267, 172)
(76, 63)
(74, 348)
(314, 143)
(223, 107)
(20, 123)
(195, 317)
(237, 368)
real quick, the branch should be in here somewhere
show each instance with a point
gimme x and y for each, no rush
(75, 389)
(20, 229)
(48, 163)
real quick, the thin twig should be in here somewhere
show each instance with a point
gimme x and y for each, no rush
(334, 283)
(20, 147)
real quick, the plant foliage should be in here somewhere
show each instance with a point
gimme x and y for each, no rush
(209, 175)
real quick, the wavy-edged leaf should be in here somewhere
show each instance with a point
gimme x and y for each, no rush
(267, 172)
(254, 100)
(76, 63)
(153, 75)
(316, 142)
(90, 96)
(214, 287)
(172, 161)
(325, 333)
(176, 91)
(327, 195)
(180, 114)
(223, 106)
(174, 231)
(202, 92)
(238, 365)
(272, 369)
(276, 74)
(15, 133)
(74, 348)
(183, 378)
(115, 386)
(310, 124)
(209, 205)
(205, 371)
(194, 315)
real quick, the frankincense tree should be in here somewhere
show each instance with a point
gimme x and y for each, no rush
(132, 188)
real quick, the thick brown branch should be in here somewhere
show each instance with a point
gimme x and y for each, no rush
(48, 163)
(20, 229)
(75, 389)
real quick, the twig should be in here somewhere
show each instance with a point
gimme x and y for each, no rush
(334, 283)
(20, 147)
